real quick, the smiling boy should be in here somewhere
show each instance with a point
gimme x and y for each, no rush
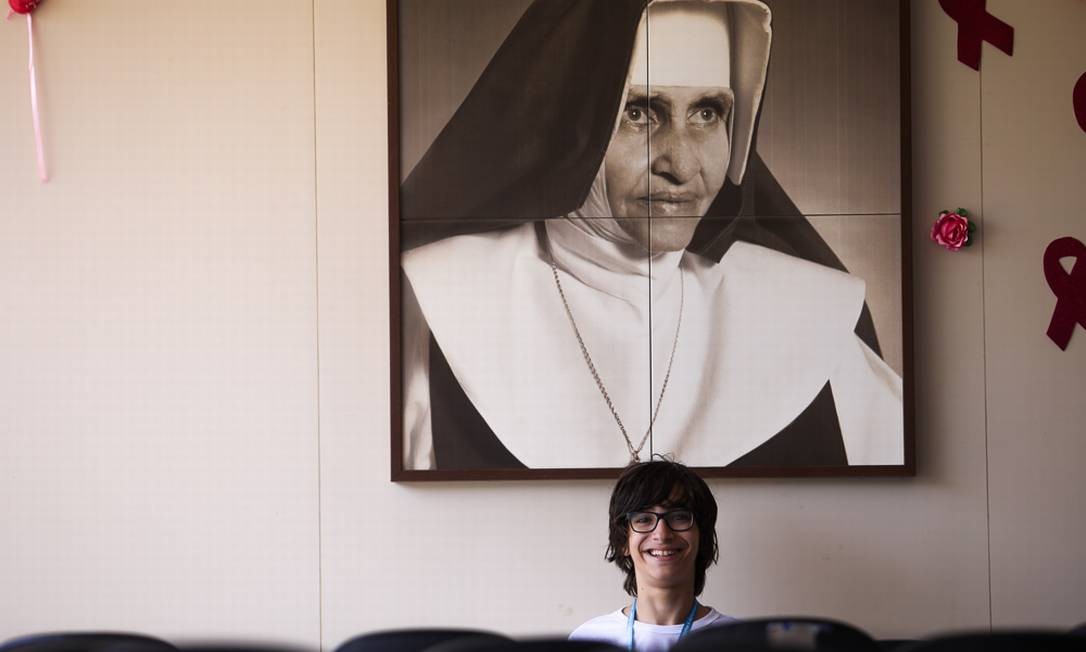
(663, 537)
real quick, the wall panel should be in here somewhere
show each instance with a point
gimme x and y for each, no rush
(158, 323)
(1034, 155)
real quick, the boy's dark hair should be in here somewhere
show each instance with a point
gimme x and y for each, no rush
(661, 482)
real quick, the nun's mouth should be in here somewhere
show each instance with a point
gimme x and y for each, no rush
(671, 204)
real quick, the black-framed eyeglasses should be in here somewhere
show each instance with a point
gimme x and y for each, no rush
(679, 520)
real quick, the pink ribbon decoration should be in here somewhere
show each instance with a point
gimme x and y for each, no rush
(25, 7)
(43, 172)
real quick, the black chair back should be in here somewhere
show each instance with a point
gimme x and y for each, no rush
(407, 640)
(896, 644)
(785, 633)
(238, 646)
(531, 645)
(86, 642)
(1008, 641)
(474, 643)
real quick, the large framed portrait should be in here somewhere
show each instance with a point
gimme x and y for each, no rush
(623, 228)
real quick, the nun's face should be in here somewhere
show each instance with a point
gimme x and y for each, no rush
(667, 161)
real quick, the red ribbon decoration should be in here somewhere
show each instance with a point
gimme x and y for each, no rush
(1078, 100)
(976, 25)
(1070, 289)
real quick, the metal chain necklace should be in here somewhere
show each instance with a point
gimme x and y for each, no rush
(635, 452)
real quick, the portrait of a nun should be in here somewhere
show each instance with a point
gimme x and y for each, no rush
(597, 280)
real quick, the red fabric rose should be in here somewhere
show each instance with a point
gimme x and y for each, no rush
(23, 6)
(951, 230)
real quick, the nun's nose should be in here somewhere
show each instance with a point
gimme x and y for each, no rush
(674, 155)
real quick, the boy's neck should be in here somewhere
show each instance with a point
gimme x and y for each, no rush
(664, 606)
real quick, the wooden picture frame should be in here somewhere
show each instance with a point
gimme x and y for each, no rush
(826, 183)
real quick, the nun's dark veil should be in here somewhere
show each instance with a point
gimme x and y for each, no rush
(529, 138)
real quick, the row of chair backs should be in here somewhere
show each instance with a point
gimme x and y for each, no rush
(822, 635)
(406, 640)
(758, 635)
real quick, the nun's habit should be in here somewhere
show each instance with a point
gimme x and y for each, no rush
(761, 351)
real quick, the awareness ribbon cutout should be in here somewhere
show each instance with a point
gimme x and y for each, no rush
(26, 7)
(1070, 289)
(1078, 101)
(976, 25)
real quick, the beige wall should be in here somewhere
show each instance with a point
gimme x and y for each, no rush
(193, 358)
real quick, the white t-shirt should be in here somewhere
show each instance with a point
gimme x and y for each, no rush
(611, 628)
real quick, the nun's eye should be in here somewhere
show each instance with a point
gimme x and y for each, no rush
(638, 115)
(705, 116)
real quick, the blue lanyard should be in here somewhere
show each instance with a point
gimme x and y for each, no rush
(687, 624)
